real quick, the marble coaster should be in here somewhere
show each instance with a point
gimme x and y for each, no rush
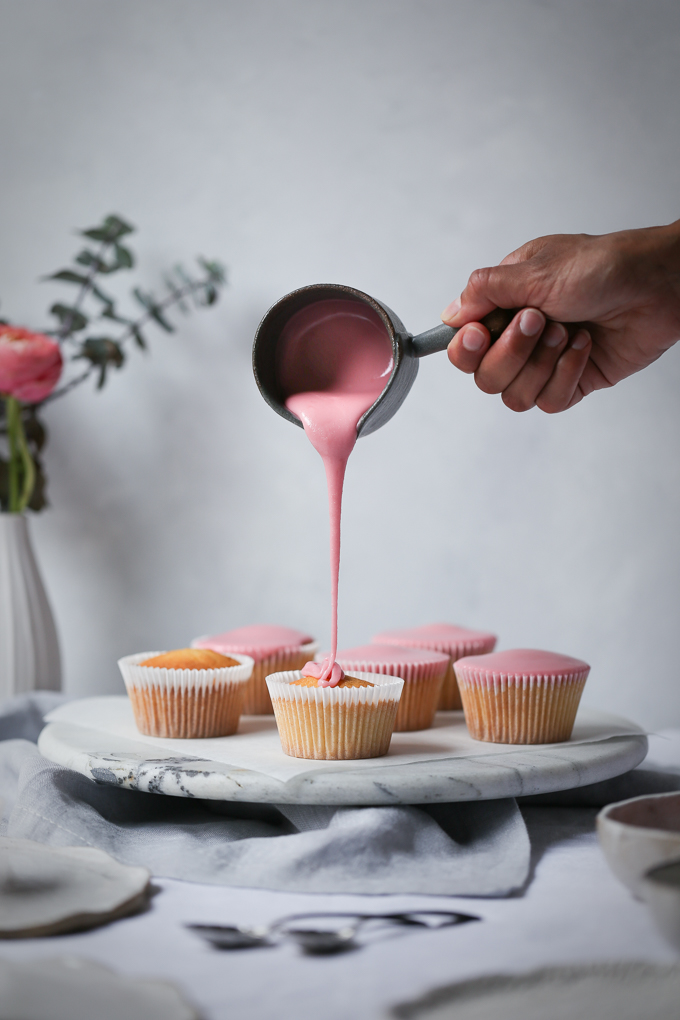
(48, 890)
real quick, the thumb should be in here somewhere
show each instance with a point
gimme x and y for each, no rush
(506, 286)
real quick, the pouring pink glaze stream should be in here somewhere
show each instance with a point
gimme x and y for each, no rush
(334, 361)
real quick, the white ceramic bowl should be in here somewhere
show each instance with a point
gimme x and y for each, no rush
(637, 834)
(661, 893)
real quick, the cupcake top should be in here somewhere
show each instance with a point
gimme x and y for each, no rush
(190, 658)
(347, 681)
(386, 653)
(258, 640)
(522, 662)
(443, 637)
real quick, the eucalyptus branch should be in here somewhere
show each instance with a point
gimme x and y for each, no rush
(64, 332)
(174, 298)
(23, 435)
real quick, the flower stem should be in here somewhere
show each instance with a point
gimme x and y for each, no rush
(20, 460)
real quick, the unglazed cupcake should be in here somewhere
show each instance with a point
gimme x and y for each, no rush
(522, 696)
(352, 719)
(422, 671)
(448, 639)
(273, 649)
(186, 693)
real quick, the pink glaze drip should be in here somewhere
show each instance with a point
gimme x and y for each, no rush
(380, 653)
(443, 637)
(320, 671)
(520, 662)
(258, 640)
(335, 359)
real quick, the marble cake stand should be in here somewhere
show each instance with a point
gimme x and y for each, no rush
(482, 772)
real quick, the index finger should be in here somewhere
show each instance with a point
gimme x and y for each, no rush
(506, 286)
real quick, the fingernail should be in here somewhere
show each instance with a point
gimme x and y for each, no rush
(581, 340)
(473, 339)
(554, 335)
(451, 310)
(531, 322)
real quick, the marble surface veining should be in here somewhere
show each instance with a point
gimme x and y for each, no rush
(522, 771)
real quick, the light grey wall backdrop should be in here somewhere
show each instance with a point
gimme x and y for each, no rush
(394, 145)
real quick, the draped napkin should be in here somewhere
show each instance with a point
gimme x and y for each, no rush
(480, 848)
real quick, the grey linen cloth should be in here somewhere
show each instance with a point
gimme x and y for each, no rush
(479, 848)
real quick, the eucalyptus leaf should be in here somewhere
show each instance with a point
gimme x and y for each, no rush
(153, 309)
(36, 434)
(38, 500)
(145, 300)
(118, 225)
(90, 258)
(156, 314)
(102, 296)
(178, 296)
(139, 339)
(71, 319)
(102, 351)
(112, 228)
(68, 276)
(215, 270)
(124, 257)
(110, 313)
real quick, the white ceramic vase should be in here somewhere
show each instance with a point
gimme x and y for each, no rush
(29, 649)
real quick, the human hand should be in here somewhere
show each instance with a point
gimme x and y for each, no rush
(619, 295)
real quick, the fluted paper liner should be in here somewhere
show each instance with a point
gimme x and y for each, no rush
(335, 723)
(450, 699)
(513, 709)
(257, 700)
(185, 703)
(422, 687)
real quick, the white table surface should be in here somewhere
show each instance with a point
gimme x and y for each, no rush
(573, 911)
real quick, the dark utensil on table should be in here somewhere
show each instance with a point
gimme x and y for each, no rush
(322, 941)
(224, 936)
(406, 349)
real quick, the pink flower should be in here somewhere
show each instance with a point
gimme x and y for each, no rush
(30, 364)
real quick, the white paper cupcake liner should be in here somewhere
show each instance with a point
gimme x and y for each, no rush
(513, 709)
(185, 703)
(422, 687)
(257, 700)
(449, 698)
(335, 723)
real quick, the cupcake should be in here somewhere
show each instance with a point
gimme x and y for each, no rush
(189, 692)
(422, 671)
(522, 696)
(273, 650)
(353, 719)
(442, 637)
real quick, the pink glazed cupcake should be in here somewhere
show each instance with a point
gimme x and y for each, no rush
(449, 639)
(274, 650)
(522, 696)
(421, 670)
